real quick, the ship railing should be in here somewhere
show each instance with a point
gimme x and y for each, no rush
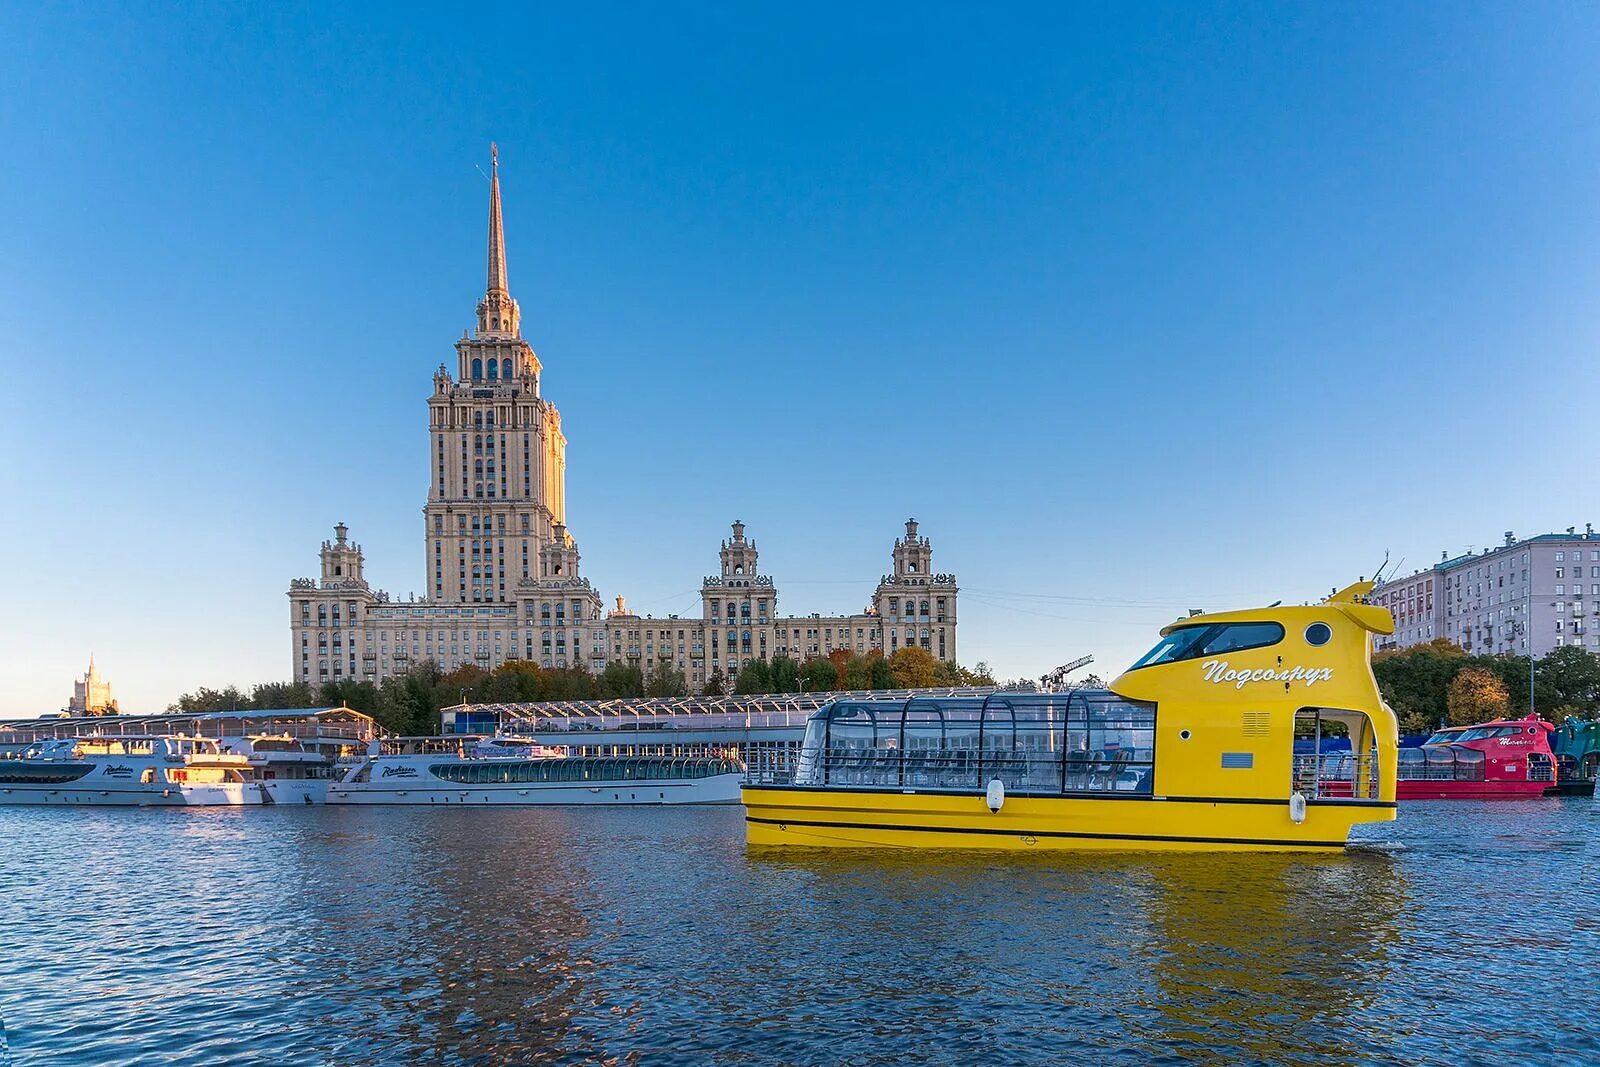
(963, 769)
(1336, 776)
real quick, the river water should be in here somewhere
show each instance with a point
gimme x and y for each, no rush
(1469, 933)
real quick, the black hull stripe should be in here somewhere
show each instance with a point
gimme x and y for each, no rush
(1047, 833)
(899, 792)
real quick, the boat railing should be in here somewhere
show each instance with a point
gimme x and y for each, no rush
(1336, 775)
(1540, 768)
(966, 769)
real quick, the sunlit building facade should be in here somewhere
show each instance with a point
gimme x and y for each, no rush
(1537, 593)
(503, 569)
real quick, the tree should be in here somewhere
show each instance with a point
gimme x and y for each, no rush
(396, 709)
(622, 680)
(881, 676)
(785, 674)
(568, 683)
(914, 668)
(666, 681)
(1415, 681)
(269, 696)
(857, 673)
(1568, 677)
(819, 674)
(716, 683)
(462, 684)
(1513, 672)
(754, 677)
(1476, 695)
(203, 699)
(362, 696)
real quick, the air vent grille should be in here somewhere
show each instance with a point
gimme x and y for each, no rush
(1238, 761)
(1257, 723)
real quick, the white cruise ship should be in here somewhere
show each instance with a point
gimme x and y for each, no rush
(129, 770)
(286, 771)
(459, 769)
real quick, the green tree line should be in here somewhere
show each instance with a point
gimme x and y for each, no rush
(410, 703)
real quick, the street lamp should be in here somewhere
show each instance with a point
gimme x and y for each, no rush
(1520, 628)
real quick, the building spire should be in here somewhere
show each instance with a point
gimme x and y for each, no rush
(497, 312)
(497, 233)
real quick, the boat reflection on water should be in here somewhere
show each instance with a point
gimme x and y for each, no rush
(1253, 959)
(1138, 958)
(472, 964)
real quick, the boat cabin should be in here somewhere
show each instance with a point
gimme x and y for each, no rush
(1503, 750)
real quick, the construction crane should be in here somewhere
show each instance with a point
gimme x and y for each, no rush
(1057, 679)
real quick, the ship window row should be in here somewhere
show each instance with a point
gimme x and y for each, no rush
(1088, 741)
(42, 775)
(582, 770)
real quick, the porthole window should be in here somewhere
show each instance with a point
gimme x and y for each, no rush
(1319, 633)
(1184, 735)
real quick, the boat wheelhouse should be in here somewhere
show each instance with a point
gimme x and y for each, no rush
(128, 770)
(1576, 744)
(287, 771)
(466, 769)
(1191, 748)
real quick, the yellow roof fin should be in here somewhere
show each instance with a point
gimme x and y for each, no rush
(1352, 602)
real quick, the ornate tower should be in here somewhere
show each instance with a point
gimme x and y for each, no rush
(918, 607)
(498, 459)
(742, 600)
(342, 561)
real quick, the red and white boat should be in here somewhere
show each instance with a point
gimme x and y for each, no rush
(1506, 759)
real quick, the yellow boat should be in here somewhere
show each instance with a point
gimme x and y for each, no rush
(1191, 748)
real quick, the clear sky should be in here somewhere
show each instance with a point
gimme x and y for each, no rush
(1134, 308)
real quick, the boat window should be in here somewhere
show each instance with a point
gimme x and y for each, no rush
(1210, 639)
(13, 774)
(581, 769)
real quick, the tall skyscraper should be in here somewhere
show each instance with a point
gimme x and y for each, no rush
(502, 568)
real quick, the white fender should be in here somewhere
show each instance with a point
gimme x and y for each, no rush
(1297, 807)
(996, 795)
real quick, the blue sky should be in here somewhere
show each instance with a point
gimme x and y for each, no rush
(1135, 308)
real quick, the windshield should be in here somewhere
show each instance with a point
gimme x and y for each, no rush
(1210, 639)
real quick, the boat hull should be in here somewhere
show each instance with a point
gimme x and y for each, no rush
(838, 818)
(714, 789)
(1414, 789)
(229, 794)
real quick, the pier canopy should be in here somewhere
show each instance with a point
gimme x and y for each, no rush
(329, 730)
(649, 713)
(1080, 741)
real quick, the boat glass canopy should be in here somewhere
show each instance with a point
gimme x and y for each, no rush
(1084, 741)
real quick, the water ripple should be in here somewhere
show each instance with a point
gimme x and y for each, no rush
(1464, 933)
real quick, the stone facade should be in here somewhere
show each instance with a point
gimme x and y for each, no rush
(91, 694)
(1539, 593)
(503, 568)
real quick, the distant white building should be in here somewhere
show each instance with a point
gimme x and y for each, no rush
(91, 694)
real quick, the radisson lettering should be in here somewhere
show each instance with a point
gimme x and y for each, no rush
(1217, 670)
